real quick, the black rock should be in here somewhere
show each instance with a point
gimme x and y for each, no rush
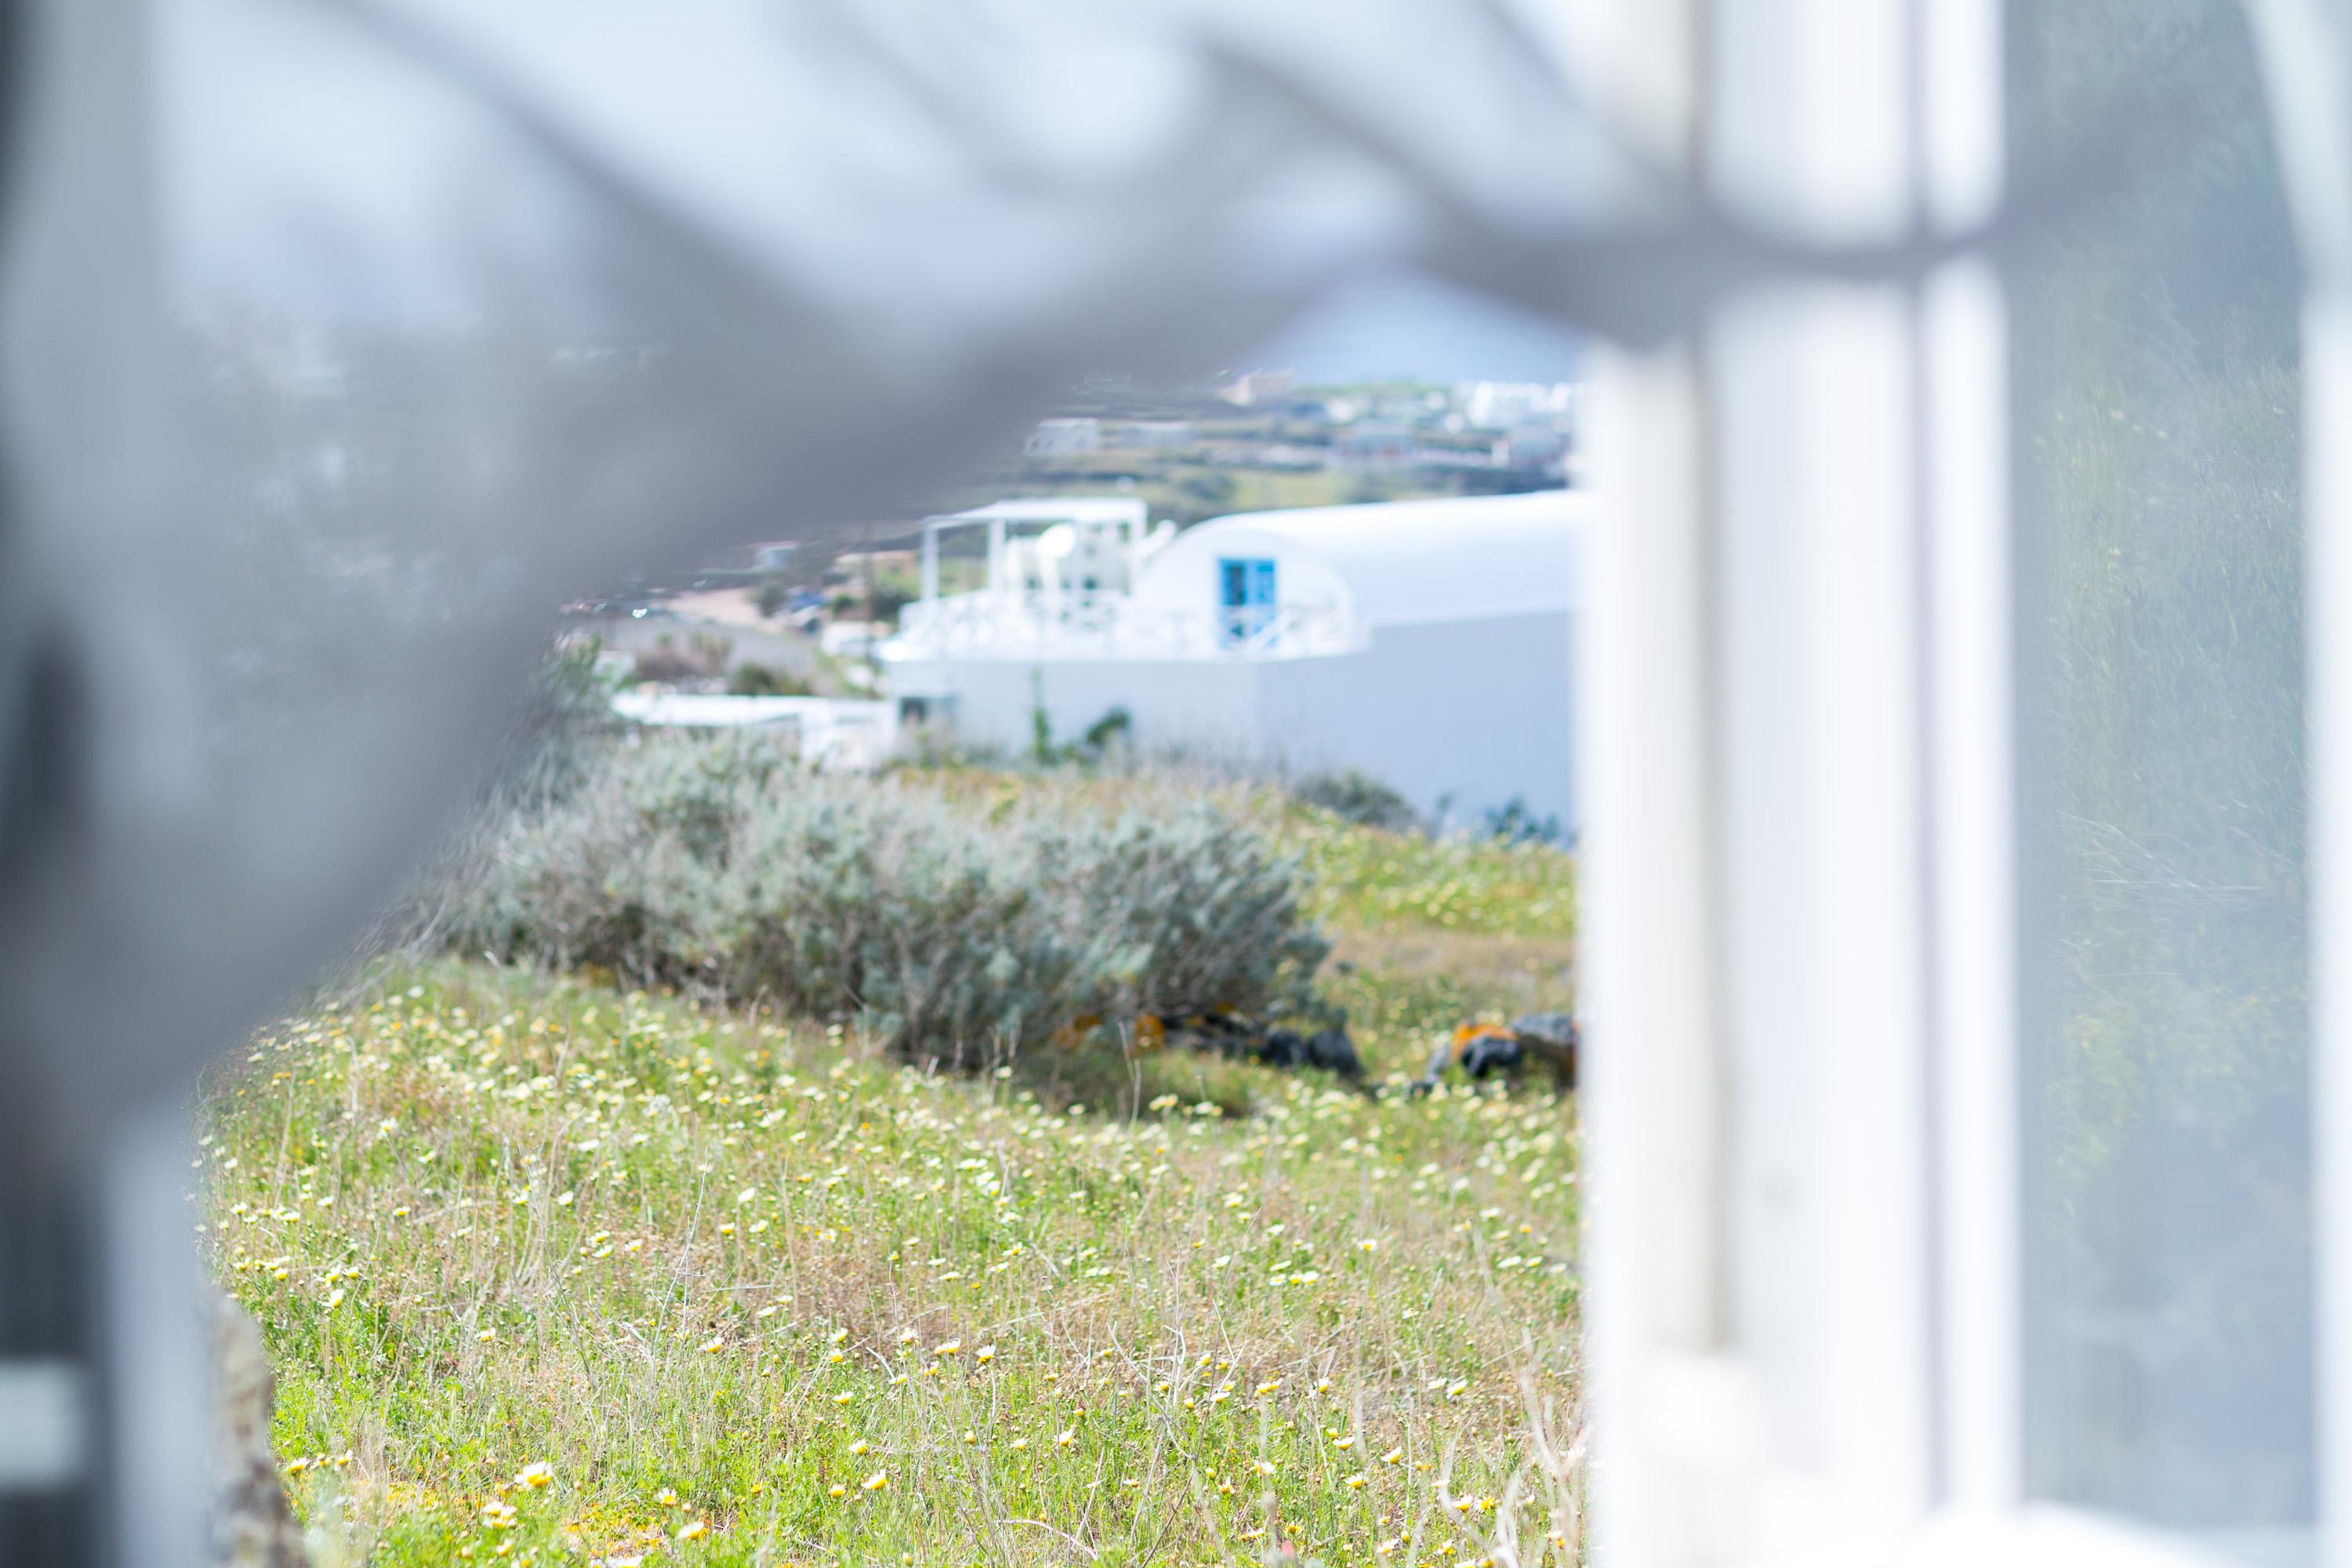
(1283, 1048)
(1556, 1028)
(1492, 1053)
(1333, 1051)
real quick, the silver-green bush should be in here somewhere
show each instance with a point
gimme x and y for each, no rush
(956, 931)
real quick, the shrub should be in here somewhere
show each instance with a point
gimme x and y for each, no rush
(720, 866)
(1358, 797)
(753, 680)
(1515, 824)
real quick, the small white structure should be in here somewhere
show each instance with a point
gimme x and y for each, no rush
(1256, 388)
(1065, 437)
(1500, 404)
(1375, 444)
(1427, 644)
(850, 734)
(852, 639)
(1533, 450)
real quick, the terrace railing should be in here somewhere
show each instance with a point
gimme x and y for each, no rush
(1033, 624)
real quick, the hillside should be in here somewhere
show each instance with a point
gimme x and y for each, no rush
(553, 1272)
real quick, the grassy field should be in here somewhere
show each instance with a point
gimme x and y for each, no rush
(554, 1273)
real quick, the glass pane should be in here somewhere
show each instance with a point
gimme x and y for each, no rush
(2168, 1284)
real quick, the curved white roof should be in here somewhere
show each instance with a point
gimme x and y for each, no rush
(1054, 509)
(1457, 558)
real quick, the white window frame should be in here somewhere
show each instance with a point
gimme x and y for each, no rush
(1844, 450)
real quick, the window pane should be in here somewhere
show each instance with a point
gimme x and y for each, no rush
(2169, 1314)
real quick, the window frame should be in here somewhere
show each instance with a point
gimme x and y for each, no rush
(1916, 1272)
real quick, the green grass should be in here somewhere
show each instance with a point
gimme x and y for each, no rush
(1368, 880)
(723, 1270)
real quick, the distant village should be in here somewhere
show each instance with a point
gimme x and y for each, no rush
(1260, 440)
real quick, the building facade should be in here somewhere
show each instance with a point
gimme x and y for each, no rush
(1425, 644)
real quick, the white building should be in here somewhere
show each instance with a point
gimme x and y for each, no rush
(1500, 404)
(829, 732)
(1065, 437)
(1427, 644)
(1256, 388)
(1375, 444)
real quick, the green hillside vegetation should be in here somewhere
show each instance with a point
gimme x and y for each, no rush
(554, 1268)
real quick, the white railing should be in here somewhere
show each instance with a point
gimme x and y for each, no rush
(1110, 625)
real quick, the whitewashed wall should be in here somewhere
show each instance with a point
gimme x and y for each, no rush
(1458, 715)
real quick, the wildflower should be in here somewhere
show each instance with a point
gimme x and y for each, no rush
(839, 1335)
(950, 1347)
(970, 1437)
(906, 1336)
(712, 1347)
(536, 1475)
(1393, 1457)
(1344, 1444)
(1356, 1482)
(843, 1399)
(695, 1531)
(1070, 1436)
(858, 1447)
(876, 1482)
(1368, 1245)
(1020, 1442)
(836, 1489)
(1263, 1468)
(487, 1335)
(667, 1497)
(1268, 1387)
(985, 1353)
